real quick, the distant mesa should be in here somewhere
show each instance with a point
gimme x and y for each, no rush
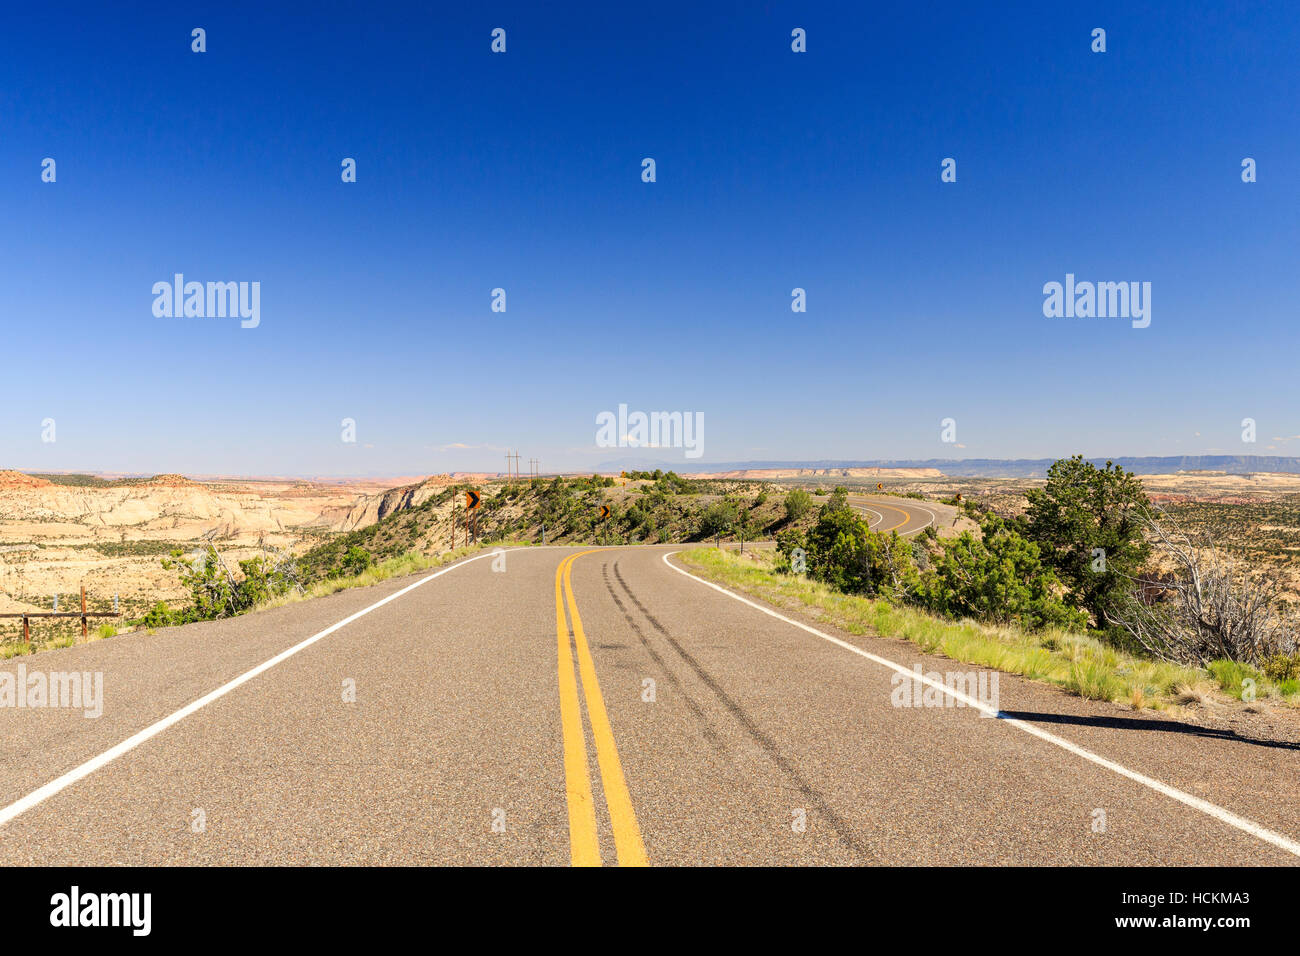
(163, 481)
(874, 472)
(16, 479)
(968, 467)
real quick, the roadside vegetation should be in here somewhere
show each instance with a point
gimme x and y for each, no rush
(1087, 561)
(365, 573)
(650, 507)
(644, 508)
(216, 592)
(1079, 663)
(63, 637)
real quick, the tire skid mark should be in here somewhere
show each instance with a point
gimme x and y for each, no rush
(770, 749)
(706, 725)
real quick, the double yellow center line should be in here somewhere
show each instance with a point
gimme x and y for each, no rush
(584, 845)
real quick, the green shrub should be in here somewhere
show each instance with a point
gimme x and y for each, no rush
(1282, 667)
(160, 615)
(1085, 513)
(845, 553)
(718, 518)
(997, 578)
(214, 590)
(797, 504)
(356, 560)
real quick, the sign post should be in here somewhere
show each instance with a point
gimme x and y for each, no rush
(472, 501)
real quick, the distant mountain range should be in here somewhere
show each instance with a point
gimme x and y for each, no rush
(994, 467)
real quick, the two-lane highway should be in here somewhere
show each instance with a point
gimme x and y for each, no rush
(904, 515)
(586, 706)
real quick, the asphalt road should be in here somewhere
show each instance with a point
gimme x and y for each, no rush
(904, 515)
(598, 706)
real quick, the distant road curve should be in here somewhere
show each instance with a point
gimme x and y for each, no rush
(904, 515)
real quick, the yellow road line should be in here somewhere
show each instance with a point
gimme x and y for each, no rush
(584, 848)
(627, 835)
(906, 517)
(899, 511)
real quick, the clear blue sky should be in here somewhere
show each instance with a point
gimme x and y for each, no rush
(523, 171)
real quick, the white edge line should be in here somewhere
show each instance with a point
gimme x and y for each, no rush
(934, 518)
(1196, 803)
(42, 794)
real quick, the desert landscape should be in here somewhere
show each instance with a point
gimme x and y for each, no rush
(59, 533)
